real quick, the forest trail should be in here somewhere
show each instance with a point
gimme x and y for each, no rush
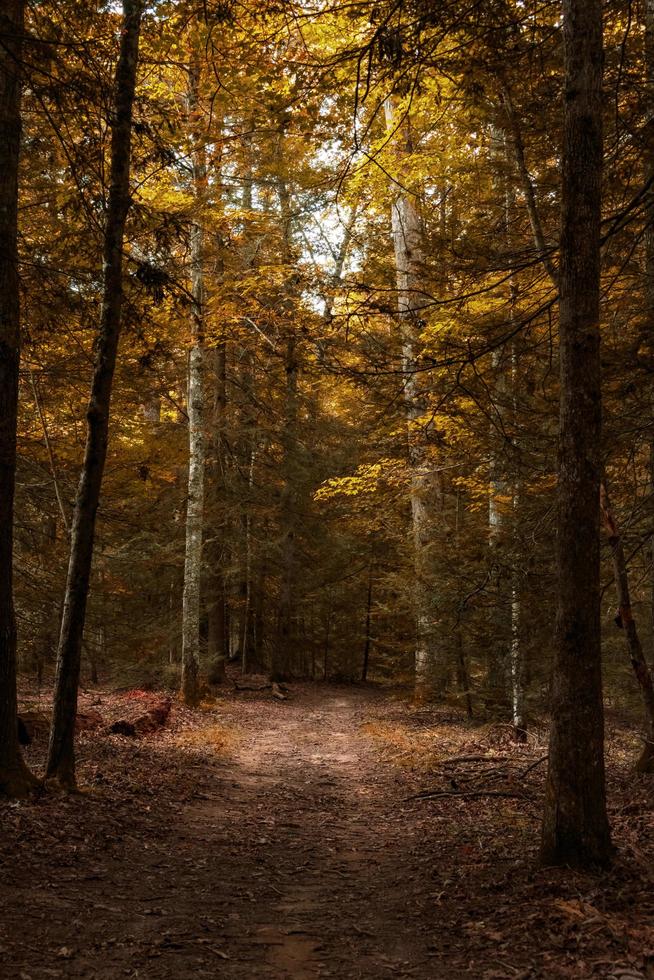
(275, 840)
(327, 890)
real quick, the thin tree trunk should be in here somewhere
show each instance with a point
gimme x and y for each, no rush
(339, 264)
(626, 622)
(285, 646)
(284, 651)
(217, 633)
(575, 824)
(61, 752)
(173, 628)
(197, 443)
(409, 261)
(516, 144)
(325, 657)
(366, 649)
(516, 657)
(48, 447)
(15, 778)
(462, 673)
(247, 632)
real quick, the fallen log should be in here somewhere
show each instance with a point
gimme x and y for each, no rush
(252, 682)
(146, 723)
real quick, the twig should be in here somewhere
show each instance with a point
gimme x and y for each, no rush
(475, 758)
(470, 795)
(533, 765)
(48, 446)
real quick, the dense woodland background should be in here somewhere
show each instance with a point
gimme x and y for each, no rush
(334, 419)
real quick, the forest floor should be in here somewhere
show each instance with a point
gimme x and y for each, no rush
(282, 839)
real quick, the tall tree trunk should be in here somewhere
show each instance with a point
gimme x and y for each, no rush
(61, 752)
(505, 655)
(648, 291)
(575, 825)
(284, 651)
(409, 262)
(217, 643)
(197, 441)
(15, 779)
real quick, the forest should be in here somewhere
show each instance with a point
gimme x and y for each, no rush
(327, 489)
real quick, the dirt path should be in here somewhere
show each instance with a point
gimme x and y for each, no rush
(291, 852)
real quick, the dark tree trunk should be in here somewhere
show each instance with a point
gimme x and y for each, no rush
(646, 761)
(61, 755)
(575, 824)
(15, 779)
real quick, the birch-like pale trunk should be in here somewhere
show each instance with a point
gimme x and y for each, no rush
(505, 656)
(15, 778)
(409, 262)
(196, 422)
(61, 754)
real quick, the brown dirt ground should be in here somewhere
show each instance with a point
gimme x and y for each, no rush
(259, 838)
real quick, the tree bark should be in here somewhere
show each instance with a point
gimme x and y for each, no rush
(61, 754)
(196, 409)
(575, 825)
(648, 284)
(15, 778)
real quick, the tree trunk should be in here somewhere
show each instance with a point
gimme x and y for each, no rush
(625, 621)
(217, 632)
(284, 651)
(285, 646)
(575, 825)
(325, 655)
(366, 649)
(197, 442)
(61, 752)
(409, 260)
(648, 290)
(15, 778)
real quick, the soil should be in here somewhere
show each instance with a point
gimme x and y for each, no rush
(283, 839)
